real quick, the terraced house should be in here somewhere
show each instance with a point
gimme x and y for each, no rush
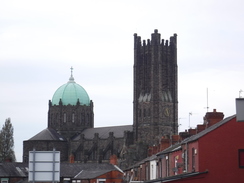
(212, 152)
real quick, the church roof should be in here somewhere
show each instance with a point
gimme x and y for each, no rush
(48, 134)
(72, 170)
(87, 170)
(71, 93)
(13, 169)
(118, 132)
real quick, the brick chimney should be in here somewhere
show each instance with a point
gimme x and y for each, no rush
(192, 131)
(184, 135)
(201, 128)
(113, 160)
(175, 139)
(71, 158)
(213, 117)
(165, 143)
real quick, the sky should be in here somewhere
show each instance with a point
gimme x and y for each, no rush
(41, 40)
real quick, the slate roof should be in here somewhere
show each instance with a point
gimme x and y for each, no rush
(172, 148)
(67, 170)
(104, 132)
(209, 129)
(85, 170)
(13, 170)
(48, 134)
(150, 158)
(197, 136)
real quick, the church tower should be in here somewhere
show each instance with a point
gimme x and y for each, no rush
(155, 103)
(71, 110)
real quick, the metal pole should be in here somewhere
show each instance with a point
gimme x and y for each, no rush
(34, 160)
(53, 165)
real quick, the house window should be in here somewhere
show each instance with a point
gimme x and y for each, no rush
(193, 159)
(186, 160)
(4, 180)
(147, 172)
(176, 168)
(160, 169)
(76, 181)
(241, 158)
(167, 166)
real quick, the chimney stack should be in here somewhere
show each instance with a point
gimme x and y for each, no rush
(240, 109)
(213, 117)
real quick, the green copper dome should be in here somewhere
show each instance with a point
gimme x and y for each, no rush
(71, 93)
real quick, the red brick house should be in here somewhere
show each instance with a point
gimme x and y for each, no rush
(215, 154)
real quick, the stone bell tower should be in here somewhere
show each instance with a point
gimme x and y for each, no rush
(155, 103)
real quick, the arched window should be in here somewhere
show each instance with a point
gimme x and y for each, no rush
(73, 117)
(64, 117)
(81, 118)
(87, 118)
(56, 120)
(51, 118)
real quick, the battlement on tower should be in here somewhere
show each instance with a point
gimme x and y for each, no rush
(155, 40)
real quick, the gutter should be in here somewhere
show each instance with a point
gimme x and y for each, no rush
(177, 177)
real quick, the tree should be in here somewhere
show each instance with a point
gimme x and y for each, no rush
(7, 142)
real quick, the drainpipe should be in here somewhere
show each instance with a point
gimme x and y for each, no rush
(186, 159)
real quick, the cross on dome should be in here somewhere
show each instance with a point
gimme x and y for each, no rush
(71, 71)
(71, 79)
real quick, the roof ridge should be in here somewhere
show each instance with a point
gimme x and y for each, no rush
(51, 133)
(111, 126)
(207, 130)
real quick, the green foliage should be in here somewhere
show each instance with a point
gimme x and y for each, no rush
(7, 142)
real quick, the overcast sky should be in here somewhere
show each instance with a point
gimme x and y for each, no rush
(41, 40)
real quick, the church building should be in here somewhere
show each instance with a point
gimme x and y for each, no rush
(70, 127)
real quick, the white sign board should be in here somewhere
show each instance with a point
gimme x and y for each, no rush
(44, 166)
